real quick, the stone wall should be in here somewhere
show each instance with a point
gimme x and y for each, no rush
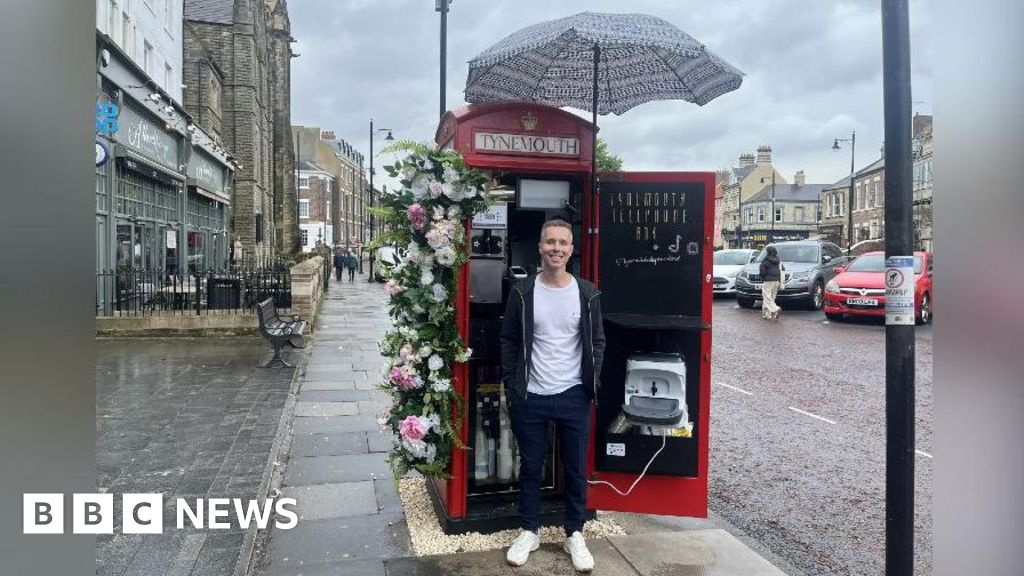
(307, 287)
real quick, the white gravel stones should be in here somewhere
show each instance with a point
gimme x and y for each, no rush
(428, 538)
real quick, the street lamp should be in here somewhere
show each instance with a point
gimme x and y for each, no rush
(849, 204)
(388, 137)
(442, 7)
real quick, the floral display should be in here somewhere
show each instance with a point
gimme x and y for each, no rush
(426, 223)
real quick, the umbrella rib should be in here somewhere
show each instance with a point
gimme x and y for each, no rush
(657, 51)
(558, 57)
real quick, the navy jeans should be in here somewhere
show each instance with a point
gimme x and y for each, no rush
(570, 411)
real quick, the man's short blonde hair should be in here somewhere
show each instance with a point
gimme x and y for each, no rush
(557, 222)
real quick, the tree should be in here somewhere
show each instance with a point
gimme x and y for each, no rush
(606, 161)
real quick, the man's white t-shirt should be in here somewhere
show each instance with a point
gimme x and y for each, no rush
(557, 346)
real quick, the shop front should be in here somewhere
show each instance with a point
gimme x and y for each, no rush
(209, 206)
(645, 239)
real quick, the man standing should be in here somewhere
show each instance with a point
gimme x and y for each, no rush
(352, 262)
(552, 345)
(339, 262)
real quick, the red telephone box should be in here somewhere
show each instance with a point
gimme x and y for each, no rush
(645, 239)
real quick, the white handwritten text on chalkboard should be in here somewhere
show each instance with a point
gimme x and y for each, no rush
(652, 260)
(647, 210)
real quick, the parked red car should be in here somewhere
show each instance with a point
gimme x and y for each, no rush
(859, 289)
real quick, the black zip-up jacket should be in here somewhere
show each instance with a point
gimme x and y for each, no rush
(770, 269)
(517, 337)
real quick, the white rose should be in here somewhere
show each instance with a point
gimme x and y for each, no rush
(426, 351)
(420, 186)
(426, 277)
(435, 362)
(440, 294)
(454, 212)
(441, 385)
(436, 189)
(445, 256)
(450, 174)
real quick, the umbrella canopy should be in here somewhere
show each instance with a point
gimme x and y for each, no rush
(635, 58)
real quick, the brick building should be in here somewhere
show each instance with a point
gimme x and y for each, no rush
(237, 59)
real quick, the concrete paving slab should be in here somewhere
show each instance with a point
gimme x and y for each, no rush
(490, 563)
(699, 552)
(328, 384)
(380, 441)
(321, 409)
(335, 424)
(329, 444)
(337, 540)
(317, 502)
(331, 469)
(369, 567)
(352, 395)
(387, 497)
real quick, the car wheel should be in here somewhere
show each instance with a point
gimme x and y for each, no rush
(925, 317)
(817, 299)
(745, 302)
(833, 317)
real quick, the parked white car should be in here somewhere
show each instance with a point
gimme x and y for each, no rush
(727, 264)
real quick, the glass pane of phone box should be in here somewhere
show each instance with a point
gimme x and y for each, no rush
(493, 459)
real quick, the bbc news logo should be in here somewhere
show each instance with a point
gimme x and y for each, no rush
(144, 513)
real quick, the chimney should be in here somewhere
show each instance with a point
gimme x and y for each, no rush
(798, 178)
(746, 160)
(764, 154)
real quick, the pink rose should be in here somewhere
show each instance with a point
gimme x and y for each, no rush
(412, 429)
(417, 216)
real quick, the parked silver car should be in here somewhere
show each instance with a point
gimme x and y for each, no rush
(809, 265)
(727, 265)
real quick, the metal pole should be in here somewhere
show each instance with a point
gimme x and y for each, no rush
(899, 339)
(442, 6)
(593, 161)
(370, 279)
(849, 207)
(773, 205)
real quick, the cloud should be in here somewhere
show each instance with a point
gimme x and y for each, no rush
(814, 73)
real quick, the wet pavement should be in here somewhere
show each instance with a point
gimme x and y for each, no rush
(188, 418)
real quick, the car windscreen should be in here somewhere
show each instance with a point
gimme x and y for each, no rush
(876, 263)
(794, 253)
(732, 258)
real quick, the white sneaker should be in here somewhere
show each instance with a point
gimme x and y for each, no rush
(519, 552)
(576, 546)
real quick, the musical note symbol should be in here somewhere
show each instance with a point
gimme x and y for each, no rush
(674, 248)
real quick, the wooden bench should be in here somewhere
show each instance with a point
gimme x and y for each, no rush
(279, 332)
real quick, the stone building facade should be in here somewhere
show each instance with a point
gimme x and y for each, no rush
(350, 199)
(237, 72)
(743, 182)
(922, 182)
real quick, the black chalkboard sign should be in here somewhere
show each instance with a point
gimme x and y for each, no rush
(652, 245)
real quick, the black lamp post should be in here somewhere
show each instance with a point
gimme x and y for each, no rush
(442, 7)
(849, 205)
(388, 137)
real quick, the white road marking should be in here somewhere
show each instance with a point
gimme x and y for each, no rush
(811, 415)
(925, 454)
(740, 390)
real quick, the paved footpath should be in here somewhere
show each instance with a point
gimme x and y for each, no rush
(350, 517)
(351, 520)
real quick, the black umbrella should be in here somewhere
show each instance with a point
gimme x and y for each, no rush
(605, 63)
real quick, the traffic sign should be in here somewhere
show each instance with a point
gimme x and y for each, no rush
(899, 290)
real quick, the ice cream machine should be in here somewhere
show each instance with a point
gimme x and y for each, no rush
(645, 240)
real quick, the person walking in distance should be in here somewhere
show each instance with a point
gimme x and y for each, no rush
(352, 262)
(771, 279)
(552, 346)
(339, 263)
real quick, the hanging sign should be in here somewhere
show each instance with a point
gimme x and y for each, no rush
(899, 290)
(101, 154)
(172, 239)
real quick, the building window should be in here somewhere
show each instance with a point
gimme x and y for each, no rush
(147, 58)
(798, 214)
(304, 182)
(125, 35)
(303, 208)
(778, 214)
(112, 13)
(169, 15)
(760, 213)
(878, 194)
(305, 238)
(328, 210)
(259, 228)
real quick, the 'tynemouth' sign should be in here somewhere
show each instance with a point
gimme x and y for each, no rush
(535, 145)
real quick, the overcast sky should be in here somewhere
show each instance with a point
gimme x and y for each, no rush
(813, 73)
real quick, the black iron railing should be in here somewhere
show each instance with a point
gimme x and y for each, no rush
(125, 292)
